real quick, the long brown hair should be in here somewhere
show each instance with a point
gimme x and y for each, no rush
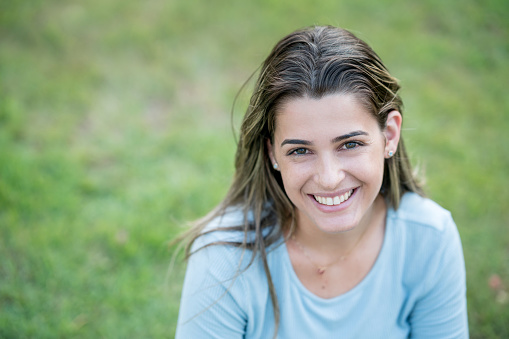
(313, 62)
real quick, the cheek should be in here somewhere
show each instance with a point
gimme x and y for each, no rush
(368, 168)
(294, 178)
(375, 170)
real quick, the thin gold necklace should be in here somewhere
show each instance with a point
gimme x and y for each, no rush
(320, 269)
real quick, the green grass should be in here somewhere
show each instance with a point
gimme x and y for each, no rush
(115, 131)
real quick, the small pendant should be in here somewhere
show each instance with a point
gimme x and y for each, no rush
(321, 270)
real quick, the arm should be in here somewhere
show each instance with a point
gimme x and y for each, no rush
(208, 308)
(441, 311)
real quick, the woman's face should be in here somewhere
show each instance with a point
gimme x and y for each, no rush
(330, 153)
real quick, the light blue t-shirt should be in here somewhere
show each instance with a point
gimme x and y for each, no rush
(416, 287)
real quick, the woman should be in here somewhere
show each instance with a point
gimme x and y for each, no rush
(324, 232)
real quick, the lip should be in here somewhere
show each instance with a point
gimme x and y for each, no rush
(334, 208)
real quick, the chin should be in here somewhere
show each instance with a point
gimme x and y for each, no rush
(339, 226)
(337, 229)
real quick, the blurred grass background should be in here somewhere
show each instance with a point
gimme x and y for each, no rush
(115, 129)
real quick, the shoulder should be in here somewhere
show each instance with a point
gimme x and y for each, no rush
(423, 231)
(422, 213)
(424, 239)
(219, 229)
(427, 254)
(220, 244)
(230, 228)
(219, 265)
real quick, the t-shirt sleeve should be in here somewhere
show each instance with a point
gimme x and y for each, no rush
(441, 310)
(208, 308)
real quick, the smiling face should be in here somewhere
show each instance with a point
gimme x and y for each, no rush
(330, 152)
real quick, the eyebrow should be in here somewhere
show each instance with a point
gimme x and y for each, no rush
(347, 136)
(333, 141)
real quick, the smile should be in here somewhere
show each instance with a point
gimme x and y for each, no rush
(330, 201)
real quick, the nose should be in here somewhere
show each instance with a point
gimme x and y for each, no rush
(330, 172)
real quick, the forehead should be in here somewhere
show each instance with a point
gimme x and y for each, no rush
(327, 116)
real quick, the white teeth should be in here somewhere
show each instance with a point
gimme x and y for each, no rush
(329, 201)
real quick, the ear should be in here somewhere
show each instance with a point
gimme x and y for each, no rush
(270, 153)
(392, 132)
